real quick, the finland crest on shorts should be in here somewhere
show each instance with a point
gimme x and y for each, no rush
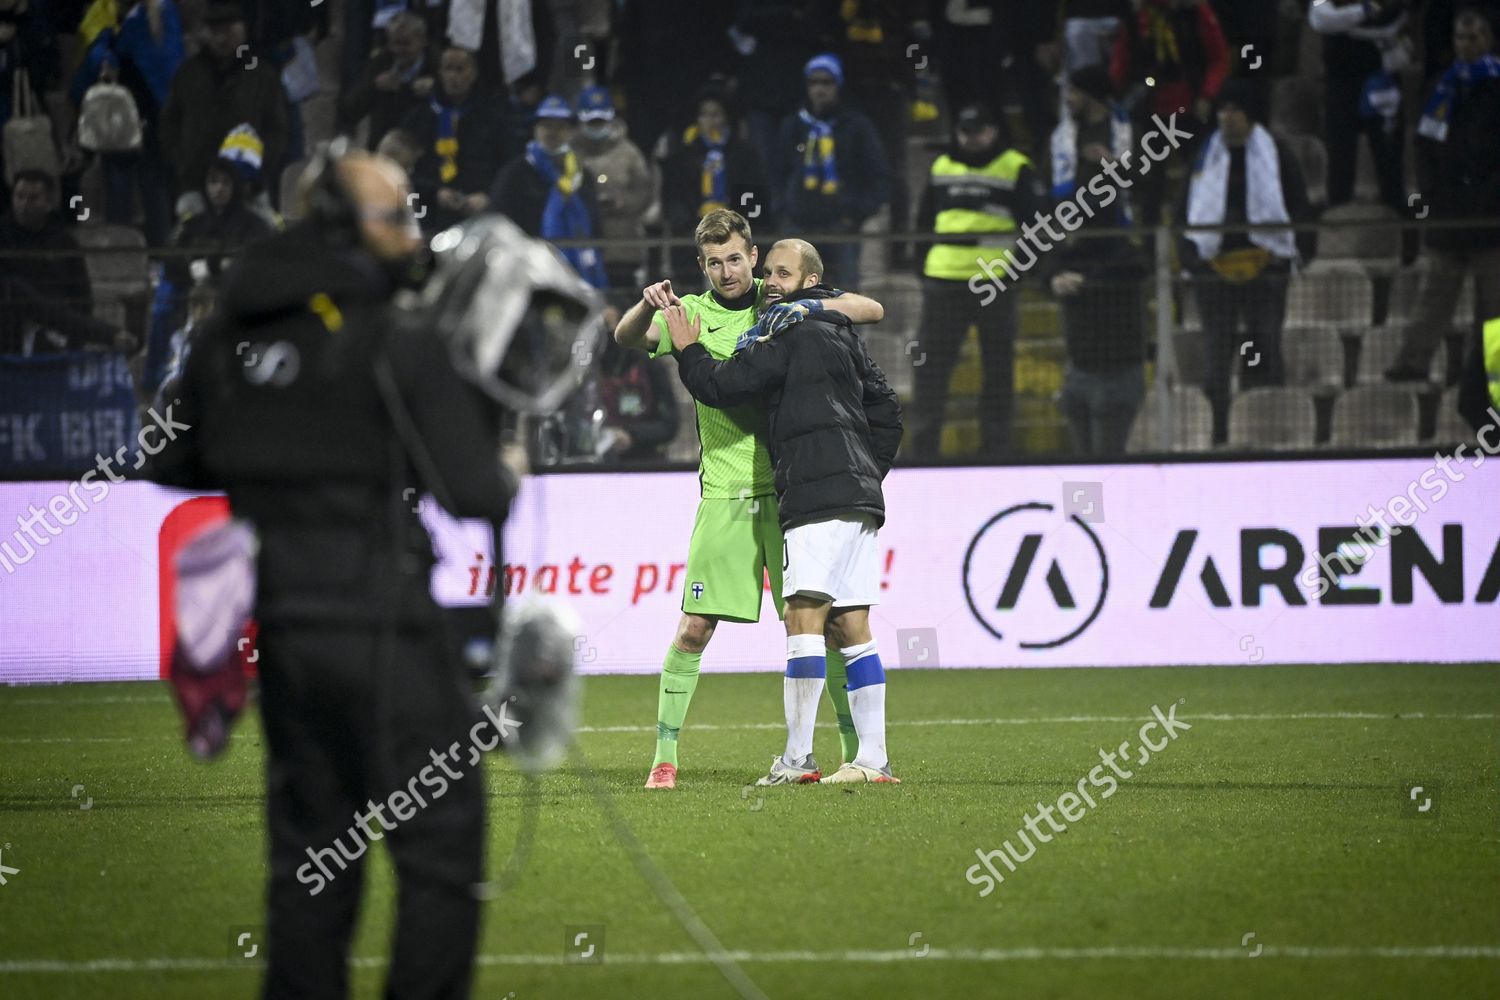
(836, 559)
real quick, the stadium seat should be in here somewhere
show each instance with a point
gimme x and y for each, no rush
(1191, 422)
(1406, 285)
(1313, 357)
(1272, 418)
(119, 269)
(1333, 293)
(1451, 428)
(1188, 345)
(1297, 106)
(1377, 247)
(1374, 416)
(290, 175)
(1378, 350)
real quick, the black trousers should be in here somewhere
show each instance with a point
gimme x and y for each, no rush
(1261, 304)
(326, 748)
(949, 308)
(1344, 127)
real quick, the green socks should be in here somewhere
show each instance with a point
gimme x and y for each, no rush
(679, 678)
(838, 693)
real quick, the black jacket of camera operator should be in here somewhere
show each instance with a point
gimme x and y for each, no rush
(835, 424)
(281, 399)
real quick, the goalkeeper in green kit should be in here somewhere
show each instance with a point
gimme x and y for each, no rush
(736, 537)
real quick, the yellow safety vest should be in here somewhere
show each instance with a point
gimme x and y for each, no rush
(1492, 359)
(973, 201)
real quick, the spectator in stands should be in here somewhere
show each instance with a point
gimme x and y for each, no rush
(547, 193)
(1089, 31)
(518, 115)
(1458, 157)
(828, 169)
(1365, 49)
(243, 149)
(460, 141)
(988, 50)
(216, 90)
(225, 224)
(1100, 281)
(873, 39)
(26, 44)
(1243, 176)
(142, 55)
(45, 302)
(979, 194)
(1171, 55)
(397, 80)
(625, 183)
(707, 167)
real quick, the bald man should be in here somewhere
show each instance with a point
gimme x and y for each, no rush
(291, 402)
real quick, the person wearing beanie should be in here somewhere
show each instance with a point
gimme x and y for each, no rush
(224, 225)
(626, 182)
(1243, 175)
(224, 85)
(828, 169)
(1100, 281)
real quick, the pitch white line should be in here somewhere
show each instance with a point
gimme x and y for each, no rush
(1046, 720)
(853, 957)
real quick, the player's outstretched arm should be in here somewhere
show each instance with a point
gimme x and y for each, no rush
(636, 328)
(860, 308)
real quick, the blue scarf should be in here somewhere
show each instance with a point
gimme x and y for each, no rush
(445, 140)
(713, 188)
(1439, 110)
(565, 216)
(820, 171)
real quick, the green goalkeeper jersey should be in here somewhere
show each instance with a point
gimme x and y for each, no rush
(735, 461)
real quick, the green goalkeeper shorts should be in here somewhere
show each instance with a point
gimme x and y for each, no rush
(735, 543)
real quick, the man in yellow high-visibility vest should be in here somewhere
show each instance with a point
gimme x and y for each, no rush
(978, 197)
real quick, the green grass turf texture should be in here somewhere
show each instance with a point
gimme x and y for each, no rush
(1297, 830)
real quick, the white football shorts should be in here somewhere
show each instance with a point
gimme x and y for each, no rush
(837, 559)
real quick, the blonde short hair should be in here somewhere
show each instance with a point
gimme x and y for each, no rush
(719, 226)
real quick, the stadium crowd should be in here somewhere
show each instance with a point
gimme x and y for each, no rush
(146, 141)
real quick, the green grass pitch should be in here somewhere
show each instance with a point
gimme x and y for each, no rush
(1275, 849)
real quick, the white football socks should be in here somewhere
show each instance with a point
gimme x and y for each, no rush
(867, 703)
(806, 668)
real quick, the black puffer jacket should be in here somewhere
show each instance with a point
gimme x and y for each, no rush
(835, 423)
